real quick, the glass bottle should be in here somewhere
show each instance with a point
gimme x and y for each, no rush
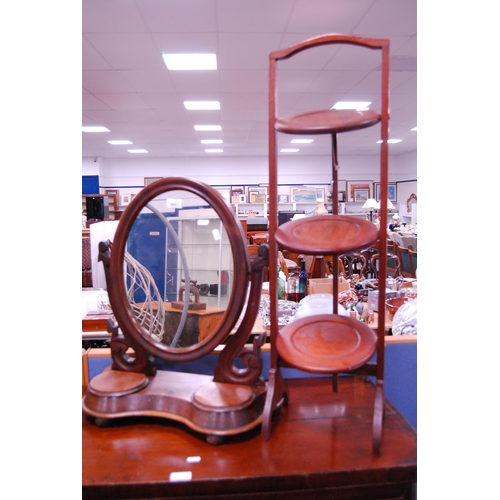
(291, 288)
(302, 281)
(281, 285)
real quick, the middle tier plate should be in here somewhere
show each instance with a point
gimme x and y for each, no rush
(327, 234)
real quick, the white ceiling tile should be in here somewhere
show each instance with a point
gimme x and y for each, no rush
(90, 101)
(243, 81)
(91, 59)
(257, 16)
(246, 50)
(181, 16)
(179, 43)
(122, 101)
(389, 17)
(111, 16)
(104, 82)
(127, 50)
(195, 81)
(157, 80)
(326, 16)
(127, 87)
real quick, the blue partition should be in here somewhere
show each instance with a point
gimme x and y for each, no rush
(400, 374)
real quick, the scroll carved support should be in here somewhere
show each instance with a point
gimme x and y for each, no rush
(226, 371)
(141, 362)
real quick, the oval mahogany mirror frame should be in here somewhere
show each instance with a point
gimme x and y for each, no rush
(116, 288)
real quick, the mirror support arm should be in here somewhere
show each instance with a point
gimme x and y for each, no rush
(225, 370)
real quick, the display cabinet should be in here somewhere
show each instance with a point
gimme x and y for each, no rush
(208, 257)
(111, 205)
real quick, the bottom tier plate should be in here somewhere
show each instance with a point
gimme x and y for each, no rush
(326, 343)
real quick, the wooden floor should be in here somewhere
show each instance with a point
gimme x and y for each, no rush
(320, 448)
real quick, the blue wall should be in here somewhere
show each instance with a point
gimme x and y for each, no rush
(90, 184)
(400, 374)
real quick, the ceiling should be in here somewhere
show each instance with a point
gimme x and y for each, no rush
(128, 89)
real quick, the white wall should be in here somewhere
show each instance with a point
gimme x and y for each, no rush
(128, 174)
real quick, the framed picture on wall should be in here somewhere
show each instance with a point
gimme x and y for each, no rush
(320, 195)
(283, 198)
(361, 195)
(342, 196)
(352, 185)
(392, 193)
(236, 192)
(126, 199)
(303, 194)
(225, 193)
(257, 190)
(258, 198)
(150, 180)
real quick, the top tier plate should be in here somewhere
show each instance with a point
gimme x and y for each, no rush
(327, 121)
(327, 234)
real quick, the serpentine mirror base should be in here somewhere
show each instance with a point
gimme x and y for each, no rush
(211, 408)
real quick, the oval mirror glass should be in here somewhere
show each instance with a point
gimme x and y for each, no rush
(178, 274)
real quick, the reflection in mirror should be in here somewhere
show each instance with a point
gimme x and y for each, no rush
(412, 199)
(179, 269)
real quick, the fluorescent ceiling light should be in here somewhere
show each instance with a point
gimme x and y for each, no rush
(137, 150)
(202, 128)
(116, 143)
(357, 105)
(214, 150)
(211, 141)
(202, 104)
(288, 150)
(95, 128)
(301, 141)
(190, 61)
(391, 141)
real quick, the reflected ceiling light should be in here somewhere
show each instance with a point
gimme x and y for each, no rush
(391, 141)
(414, 129)
(202, 128)
(137, 150)
(357, 105)
(214, 150)
(117, 143)
(211, 141)
(176, 62)
(95, 128)
(301, 141)
(202, 104)
(288, 150)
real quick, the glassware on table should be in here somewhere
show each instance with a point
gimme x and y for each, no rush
(291, 288)
(286, 312)
(302, 281)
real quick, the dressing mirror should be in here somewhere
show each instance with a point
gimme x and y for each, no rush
(180, 285)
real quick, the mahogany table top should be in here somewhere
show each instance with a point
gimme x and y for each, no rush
(320, 445)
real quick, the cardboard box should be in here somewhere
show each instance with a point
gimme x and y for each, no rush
(325, 285)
